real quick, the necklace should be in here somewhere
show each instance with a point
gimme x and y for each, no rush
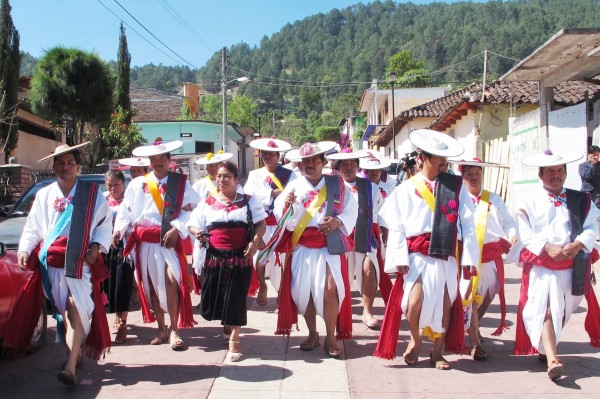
(226, 200)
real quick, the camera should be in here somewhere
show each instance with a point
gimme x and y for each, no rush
(408, 162)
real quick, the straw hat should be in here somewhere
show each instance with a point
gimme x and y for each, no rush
(135, 161)
(552, 158)
(63, 149)
(270, 144)
(436, 143)
(211, 158)
(311, 149)
(156, 148)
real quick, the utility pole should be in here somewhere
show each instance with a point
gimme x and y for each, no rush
(224, 94)
(485, 55)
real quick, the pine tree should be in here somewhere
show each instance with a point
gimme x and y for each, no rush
(10, 60)
(123, 76)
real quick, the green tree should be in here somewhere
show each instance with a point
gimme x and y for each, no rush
(119, 139)
(10, 60)
(409, 71)
(123, 77)
(211, 108)
(70, 84)
(327, 133)
(241, 111)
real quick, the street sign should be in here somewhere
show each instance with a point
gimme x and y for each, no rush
(185, 136)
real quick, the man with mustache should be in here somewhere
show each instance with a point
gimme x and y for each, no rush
(558, 229)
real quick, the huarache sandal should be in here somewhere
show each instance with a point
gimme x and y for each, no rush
(371, 323)
(67, 378)
(411, 357)
(332, 352)
(121, 337)
(309, 344)
(261, 297)
(555, 370)
(175, 341)
(440, 364)
(478, 353)
(161, 338)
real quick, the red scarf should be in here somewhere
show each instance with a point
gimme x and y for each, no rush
(288, 310)
(152, 235)
(592, 318)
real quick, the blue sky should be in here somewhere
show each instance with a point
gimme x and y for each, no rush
(194, 29)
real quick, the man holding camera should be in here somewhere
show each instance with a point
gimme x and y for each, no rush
(589, 171)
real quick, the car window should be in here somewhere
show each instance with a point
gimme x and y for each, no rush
(23, 205)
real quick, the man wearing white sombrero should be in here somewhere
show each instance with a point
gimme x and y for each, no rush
(152, 205)
(58, 230)
(496, 233)
(363, 263)
(558, 229)
(316, 213)
(266, 184)
(373, 167)
(426, 215)
(138, 166)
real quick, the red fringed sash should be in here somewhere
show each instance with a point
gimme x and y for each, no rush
(385, 282)
(288, 310)
(152, 235)
(26, 311)
(592, 319)
(493, 252)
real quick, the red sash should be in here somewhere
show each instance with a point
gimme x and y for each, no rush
(492, 252)
(271, 220)
(385, 283)
(288, 310)
(152, 235)
(592, 318)
(229, 238)
(388, 337)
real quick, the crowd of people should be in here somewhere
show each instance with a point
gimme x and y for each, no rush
(434, 247)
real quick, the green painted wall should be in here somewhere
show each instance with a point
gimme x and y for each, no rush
(189, 132)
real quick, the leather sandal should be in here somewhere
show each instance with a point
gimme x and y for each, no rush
(555, 370)
(121, 337)
(309, 345)
(261, 297)
(175, 341)
(67, 378)
(478, 353)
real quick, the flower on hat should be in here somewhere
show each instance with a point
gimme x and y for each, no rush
(306, 149)
(548, 152)
(158, 141)
(271, 144)
(346, 150)
(209, 156)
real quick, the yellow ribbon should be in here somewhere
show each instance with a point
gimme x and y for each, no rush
(310, 213)
(212, 189)
(153, 188)
(276, 181)
(424, 191)
(480, 228)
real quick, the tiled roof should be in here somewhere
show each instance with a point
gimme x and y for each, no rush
(154, 105)
(497, 92)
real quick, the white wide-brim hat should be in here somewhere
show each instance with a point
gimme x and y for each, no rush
(436, 143)
(374, 163)
(63, 149)
(477, 162)
(311, 149)
(139, 161)
(211, 158)
(292, 156)
(552, 158)
(340, 156)
(270, 144)
(157, 148)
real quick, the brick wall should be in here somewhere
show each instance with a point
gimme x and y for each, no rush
(14, 180)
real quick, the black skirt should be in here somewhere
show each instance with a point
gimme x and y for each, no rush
(119, 285)
(227, 275)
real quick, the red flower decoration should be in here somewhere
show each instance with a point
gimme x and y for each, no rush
(383, 193)
(453, 204)
(210, 200)
(451, 217)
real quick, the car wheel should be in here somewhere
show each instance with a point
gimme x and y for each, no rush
(39, 334)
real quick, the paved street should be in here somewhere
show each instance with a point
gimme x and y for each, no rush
(274, 367)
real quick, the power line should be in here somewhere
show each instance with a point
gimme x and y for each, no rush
(186, 25)
(154, 36)
(138, 33)
(504, 56)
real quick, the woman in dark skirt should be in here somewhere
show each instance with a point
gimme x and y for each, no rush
(119, 285)
(230, 225)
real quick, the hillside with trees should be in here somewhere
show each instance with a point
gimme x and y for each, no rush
(312, 71)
